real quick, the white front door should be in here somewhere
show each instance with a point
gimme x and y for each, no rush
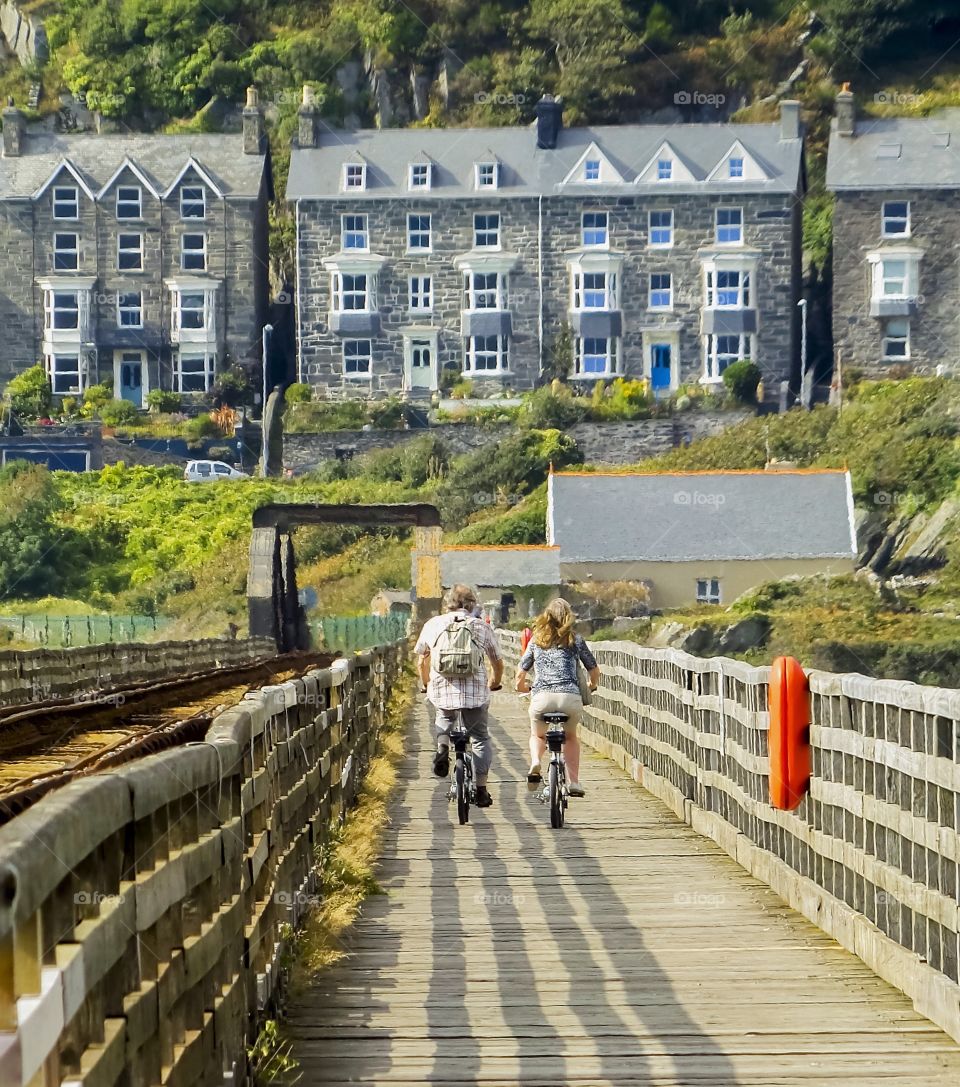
(421, 362)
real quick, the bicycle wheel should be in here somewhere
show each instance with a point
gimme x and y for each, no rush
(463, 793)
(556, 796)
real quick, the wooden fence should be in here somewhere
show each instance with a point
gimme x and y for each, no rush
(143, 911)
(871, 855)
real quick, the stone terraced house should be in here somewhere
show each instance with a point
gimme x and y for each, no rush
(657, 251)
(896, 269)
(137, 258)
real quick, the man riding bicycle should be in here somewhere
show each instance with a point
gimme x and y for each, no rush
(452, 651)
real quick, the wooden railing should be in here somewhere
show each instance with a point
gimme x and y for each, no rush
(871, 855)
(143, 911)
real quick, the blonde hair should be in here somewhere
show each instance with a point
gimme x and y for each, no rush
(553, 627)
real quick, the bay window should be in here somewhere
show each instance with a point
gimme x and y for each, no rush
(66, 374)
(485, 290)
(61, 310)
(728, 288)
(351, 293)
(595, 356)
(594, 290)
(486, 354)
(722, 350)
(193, 371)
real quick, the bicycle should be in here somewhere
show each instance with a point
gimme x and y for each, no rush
(554, 790)
(463, 788)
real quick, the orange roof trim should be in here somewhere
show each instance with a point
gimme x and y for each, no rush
(717, 472)
(501, 547)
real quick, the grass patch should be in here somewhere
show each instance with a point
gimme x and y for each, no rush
(351, 855)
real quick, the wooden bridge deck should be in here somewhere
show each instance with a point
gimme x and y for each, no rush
(624, 949)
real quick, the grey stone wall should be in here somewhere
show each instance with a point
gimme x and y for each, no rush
(601, 443)
(771, 228)
(20, 343)
(934, 328)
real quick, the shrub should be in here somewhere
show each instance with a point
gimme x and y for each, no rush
(94, 399)
(163, 402)
(299, 393)
(203, 426)
(742, 379)
(30, 393)
(552, 407)
(321, 416)
(225, 453)
(69, 406)
(118, 413)
(461, 390)
(625, 399)
(231, 388)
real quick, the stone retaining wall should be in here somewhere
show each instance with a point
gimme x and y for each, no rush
(35, 675)
(872, 853)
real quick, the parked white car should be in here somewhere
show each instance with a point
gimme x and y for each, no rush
(210, 471)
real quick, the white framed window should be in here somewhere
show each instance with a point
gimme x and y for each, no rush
(735, 167)
(594, 230)
(66, 252)
(350, 293)
(486, 230)
(594, 290)
(895, 343)
(595, 356)
(192, 310)
(487, 354)
(729, 226)
(485, 290)
(720, 351)
(354, 234)
(591, 170)
(487, 175)
(193, 252)
(661, 291)
(130, 309)
(894, 278)
(664, 169)
(728, 288)
(357, 359)
(354, 175)
(895, 219)
(66, 202)
(421, 294)
(66, 374)
(193, 371)
(130, 252)
(129, 202)
(660, 229)
(419, 238)
(193, 202)
(420, 175)
(61, 310)
(708, 590)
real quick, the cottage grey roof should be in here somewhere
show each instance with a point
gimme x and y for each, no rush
(897, 153)
(701, 516)
(526, 170)
(160, 158)
(497, 567)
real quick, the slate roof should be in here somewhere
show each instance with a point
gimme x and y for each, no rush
(897, 153)
(526, 170)
(697, 516)
(495, 567)
(160, 158)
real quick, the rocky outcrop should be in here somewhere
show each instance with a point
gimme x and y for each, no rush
(23, 34)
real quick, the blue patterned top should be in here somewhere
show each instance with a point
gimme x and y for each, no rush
(556, 669)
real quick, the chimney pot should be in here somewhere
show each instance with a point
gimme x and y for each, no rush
(308, 133)
(14, 130)
(254, 134)
(845, 110)
(549, 112)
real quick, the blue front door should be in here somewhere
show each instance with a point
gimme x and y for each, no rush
(131, 380)
(660, 368)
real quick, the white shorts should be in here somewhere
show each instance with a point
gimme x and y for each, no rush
(542, 702)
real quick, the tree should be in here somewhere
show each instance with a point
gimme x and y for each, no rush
(742, 379)
(30, 393)
(32, 546)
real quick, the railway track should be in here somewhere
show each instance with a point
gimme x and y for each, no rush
(45, 745)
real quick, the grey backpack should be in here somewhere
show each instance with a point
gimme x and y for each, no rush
(458, 654)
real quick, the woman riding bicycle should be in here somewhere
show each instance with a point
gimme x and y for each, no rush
(554, 651)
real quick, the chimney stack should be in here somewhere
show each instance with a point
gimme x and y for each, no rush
(789, 119)
(309, 117)
(254, 136)
(14, 130)
(549, 111)
(845, 111)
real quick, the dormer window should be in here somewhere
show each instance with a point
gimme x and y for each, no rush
(66, 202)
(591, 170)
(129, 202)
(664, 169)
(487, 175)
(895, 219)
(735, 167)
(193, 202)
(420, 175)
(355, 176)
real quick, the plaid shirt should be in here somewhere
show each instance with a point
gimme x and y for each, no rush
(458, 694)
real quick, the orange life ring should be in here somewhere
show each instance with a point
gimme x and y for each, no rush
(525, 635)
(789, 737)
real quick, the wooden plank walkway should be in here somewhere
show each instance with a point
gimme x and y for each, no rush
(624, 949)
